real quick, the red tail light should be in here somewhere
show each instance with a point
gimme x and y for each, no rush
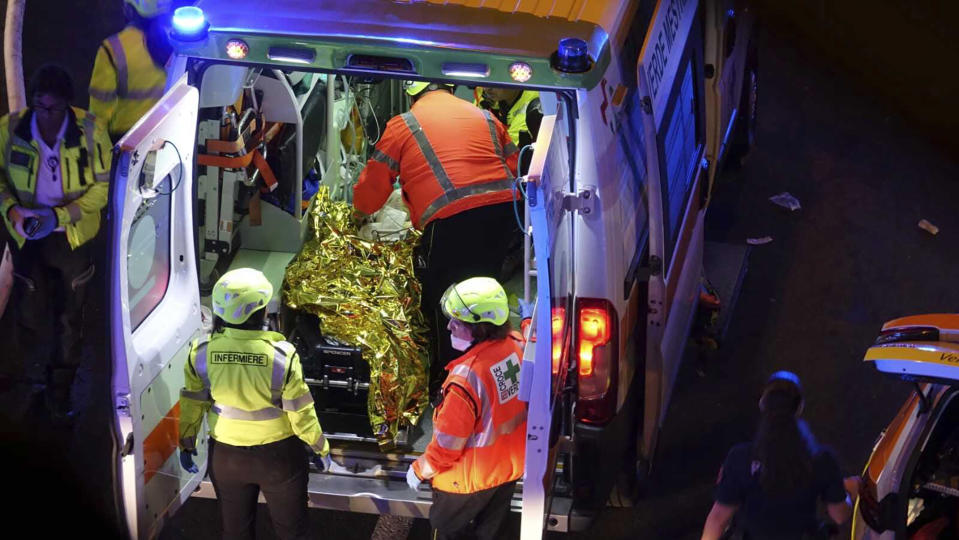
(558, 324)
(597, 359)
(869, 504)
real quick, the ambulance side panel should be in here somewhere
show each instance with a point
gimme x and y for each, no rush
(154, 306)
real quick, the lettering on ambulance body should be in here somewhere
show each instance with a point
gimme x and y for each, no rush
(506, 375)
(240, 358)
(672, 16)
(949, 358)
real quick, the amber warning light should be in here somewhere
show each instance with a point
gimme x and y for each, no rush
(237, 49)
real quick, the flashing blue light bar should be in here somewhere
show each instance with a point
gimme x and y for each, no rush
(572, 56)
(189, 23)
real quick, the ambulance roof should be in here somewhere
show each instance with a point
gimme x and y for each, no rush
(495, 32)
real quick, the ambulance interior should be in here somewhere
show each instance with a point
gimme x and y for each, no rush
(933, 486)
(267, 142)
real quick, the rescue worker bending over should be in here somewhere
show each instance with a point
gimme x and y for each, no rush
(249, 384)
(479, 428)
(55, 164)
(456, 165)
(129, 71)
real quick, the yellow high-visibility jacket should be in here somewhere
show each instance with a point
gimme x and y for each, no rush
(126, 82)
(84, 161)
(249, 384)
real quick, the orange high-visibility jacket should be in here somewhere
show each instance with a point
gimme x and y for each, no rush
(479, 429)
(450, 156)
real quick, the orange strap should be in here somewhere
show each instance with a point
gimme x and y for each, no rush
(241, 162)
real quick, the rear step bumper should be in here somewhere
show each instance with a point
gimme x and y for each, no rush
(349, 493)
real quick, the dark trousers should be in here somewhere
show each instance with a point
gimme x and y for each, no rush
(280, 470)
(479, 515)
(50, 282)
(473, 243)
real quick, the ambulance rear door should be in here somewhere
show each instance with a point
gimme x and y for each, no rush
(545, 358)
(154, 306)
(670, 75)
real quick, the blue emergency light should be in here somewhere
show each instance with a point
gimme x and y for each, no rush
(189, 23)
(572, 56)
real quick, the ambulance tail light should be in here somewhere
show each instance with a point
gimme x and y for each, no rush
(869, 504)
(558, 325)
(596, 348)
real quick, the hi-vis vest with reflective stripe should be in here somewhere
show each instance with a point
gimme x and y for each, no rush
(85, 161)
(450, 156)
(493, 451)
(251, 382)
(126, 82)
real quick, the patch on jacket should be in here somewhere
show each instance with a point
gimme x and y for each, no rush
(506, 376)
(19, 158)
(240, 358)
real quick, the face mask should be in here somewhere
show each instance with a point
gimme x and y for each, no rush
(460, 344)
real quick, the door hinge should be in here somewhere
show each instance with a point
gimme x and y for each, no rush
(584, 201)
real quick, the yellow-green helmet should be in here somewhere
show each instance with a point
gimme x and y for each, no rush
(240, 293)
(415, 87)
(478, 299)
(150, 8)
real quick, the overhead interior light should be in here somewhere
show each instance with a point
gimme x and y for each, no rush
(520, 71)
(237, 49)
(459, 69)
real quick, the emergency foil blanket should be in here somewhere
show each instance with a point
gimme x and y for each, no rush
(365, 294)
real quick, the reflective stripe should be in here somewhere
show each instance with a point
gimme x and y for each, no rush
(476, 384)
(298, 403)
(461, 193)
(199, 395)
(386, 160)
(234, 413)
(510, 149)
(438, 171)
(199, 362)
(12, 120)
(449, 442)
(102, 177)
(149, 93)
(279, 372)
(102, 95)
(496, 145)
(121, 58)
(319, 445)
(76, 214)
(426, 470)
(488, 436)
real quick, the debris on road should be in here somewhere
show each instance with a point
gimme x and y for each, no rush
(759, 241)
(928, 227)
(786, 200)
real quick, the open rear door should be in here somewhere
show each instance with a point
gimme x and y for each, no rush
(545, 355)
(669, 71)
(154, 306)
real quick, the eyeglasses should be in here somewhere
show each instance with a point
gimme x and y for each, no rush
(49, 110)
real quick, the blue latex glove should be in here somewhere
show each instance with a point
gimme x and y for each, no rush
(186, 461)
(525, 309)
(48, 222)
(412, 480)
(322, 463)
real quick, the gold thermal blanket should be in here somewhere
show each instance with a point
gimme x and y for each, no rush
(365, 294)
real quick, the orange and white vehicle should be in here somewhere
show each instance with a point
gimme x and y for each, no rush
(911, 481)
(641, 100)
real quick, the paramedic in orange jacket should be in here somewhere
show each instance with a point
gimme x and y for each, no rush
(456, 166)
(479, 428)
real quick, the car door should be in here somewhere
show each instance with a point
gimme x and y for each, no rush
(670, 78)
(545, 359)
(154, 306)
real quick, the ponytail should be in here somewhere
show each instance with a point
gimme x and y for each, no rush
(783, 444)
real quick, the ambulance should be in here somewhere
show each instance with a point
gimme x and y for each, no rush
(642, 101)
(910, 486)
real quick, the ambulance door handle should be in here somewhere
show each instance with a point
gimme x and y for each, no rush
(127, 446)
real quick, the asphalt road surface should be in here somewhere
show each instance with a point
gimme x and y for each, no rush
(812, 301)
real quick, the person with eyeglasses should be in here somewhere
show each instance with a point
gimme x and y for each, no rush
(55, 163)
(478, 448)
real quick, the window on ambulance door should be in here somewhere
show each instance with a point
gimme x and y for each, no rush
(148, 253)
(681, 136)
